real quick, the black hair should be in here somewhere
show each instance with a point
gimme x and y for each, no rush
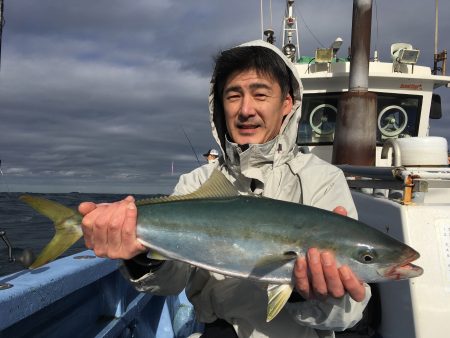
(261, 59)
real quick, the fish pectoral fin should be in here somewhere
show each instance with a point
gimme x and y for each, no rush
(278, 296)
(269, 263)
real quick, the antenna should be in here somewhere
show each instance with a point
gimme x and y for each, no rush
(262, 21)
(2, 22)
(436, 28)
(442, 56)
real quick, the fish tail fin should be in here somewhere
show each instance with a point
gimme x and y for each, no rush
(67, 227)
(278, 296)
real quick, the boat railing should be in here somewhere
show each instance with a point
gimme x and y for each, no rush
(398, 182)
(76, 296)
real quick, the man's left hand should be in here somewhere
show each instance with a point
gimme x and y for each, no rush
(317, 275)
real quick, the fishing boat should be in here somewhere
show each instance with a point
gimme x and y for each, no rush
(368, 116)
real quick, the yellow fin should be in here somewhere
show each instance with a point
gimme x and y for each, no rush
(156, 256)
(67, 227)
(216, 186)
(278, 296)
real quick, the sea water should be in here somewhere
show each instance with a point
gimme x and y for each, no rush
(26, 228)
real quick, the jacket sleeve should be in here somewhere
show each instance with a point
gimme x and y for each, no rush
(335, 314)
(171, 277)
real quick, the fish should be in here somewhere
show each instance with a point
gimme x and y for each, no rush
(245, 236)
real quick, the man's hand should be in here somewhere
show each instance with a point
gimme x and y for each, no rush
(110, 228)
(317, 275)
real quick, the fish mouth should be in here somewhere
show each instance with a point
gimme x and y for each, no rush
(404, 270)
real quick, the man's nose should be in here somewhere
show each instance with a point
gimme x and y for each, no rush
(247, 106)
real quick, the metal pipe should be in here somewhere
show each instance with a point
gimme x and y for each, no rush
(396, 153)
(360, 45)
(356, 123)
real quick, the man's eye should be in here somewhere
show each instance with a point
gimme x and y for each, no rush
(233, 97)
(260, 96)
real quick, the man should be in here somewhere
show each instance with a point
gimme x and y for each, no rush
(255, 108)
(211, 155)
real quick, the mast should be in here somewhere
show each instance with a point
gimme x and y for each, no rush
(291, 46)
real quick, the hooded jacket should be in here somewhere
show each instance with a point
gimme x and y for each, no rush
(278, 170)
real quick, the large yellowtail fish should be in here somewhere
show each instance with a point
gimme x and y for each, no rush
(256, 238)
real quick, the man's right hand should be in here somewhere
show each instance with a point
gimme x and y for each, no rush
(110, 228)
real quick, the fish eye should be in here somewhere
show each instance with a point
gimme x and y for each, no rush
(367, 256)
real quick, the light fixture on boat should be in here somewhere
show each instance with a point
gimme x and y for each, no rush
(324, 55)
(270, 35)
(404, 54)
(289, 50)
(336, 45)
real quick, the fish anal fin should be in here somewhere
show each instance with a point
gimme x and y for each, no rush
(278, 296)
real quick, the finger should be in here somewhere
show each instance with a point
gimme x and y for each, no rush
(301, 278)
(352, 284)
(114, 230)
(129, 199)
(87, 233)
(319, 285)
(130, 245)
(87, 225)
(340, 210)
(332, 277)
(100, 229)
(86, 207)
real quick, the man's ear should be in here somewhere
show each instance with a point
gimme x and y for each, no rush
(287, 105)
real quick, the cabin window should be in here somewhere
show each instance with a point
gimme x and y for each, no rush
(397, 116)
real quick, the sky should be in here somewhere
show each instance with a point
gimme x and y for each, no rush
(111, 96)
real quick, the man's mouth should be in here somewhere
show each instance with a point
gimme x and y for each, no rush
(247, 127)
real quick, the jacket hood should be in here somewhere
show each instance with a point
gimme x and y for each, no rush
(273, 153)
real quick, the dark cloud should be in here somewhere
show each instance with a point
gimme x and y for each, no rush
(98, 95)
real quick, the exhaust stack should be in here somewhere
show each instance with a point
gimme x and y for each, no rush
(356, 123)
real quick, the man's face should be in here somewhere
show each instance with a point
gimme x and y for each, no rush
(254, 107)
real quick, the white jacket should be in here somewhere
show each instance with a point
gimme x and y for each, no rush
(281, 172)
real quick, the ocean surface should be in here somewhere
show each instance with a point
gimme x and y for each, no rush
(25, 228)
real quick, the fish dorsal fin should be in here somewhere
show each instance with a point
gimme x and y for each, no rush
(216, 186)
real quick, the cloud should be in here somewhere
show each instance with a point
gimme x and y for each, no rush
(95, 95)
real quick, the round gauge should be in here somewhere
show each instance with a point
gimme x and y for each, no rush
(392, 120)
(323, 119)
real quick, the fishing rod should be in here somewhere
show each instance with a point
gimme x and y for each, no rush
(8, 245)
(24, 256)
(192, 147)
